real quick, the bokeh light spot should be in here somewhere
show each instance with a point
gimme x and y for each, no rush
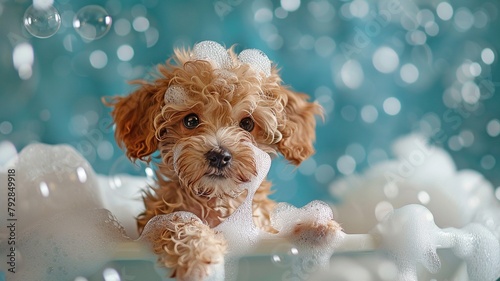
(324, 46)
(307, 167)
(444, 11)
(98, 59)
(290, 5)
(263, 15)
(488, 162)
(424, 197)
(125, 52)
(493, 128)
(122, 27)
(110, 274)
(5, 127)
(454, 143)
(359, 8)
(357, 151)
(463, 19)
(352, 74)
(346, 164)
(369, 113)
(409, 73)
(385, 59)
(140, 24)
(324, 173)
(471, 92)
(488, 56)
(392, 106)
(23, 58)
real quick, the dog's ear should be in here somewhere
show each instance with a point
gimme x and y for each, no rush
(298, 126)
(134, 119)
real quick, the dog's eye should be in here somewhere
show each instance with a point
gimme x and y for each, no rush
(191, 121)
(247, 124)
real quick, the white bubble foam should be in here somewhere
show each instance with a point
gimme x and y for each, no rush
(53, 179)
(257, 59)
(175, 95)
(479, 248)
(410, 236)
(213, 52)
(460, 211)
(67, 245)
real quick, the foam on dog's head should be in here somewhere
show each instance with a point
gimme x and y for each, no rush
(219, 57)
(175, 95)
(257, 60)
(212, 52)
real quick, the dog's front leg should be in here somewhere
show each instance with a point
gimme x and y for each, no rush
(187, 246)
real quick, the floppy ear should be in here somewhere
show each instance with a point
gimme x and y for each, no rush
(134, 118)
(298, 130)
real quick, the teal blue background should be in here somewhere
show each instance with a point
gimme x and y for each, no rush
(64, 91)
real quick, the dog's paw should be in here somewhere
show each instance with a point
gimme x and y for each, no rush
(309, 226)
(315, 234)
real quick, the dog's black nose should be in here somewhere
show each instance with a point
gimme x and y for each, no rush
(218, 158)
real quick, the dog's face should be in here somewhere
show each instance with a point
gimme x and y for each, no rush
(201, 117)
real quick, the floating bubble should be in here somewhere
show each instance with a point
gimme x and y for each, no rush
(42, 22)
(92, 22)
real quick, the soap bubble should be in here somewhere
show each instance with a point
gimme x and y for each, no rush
(42, 22)
(92, 22)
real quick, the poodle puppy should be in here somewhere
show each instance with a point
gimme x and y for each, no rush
(194, 120)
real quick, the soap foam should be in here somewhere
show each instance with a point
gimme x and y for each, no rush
(51, 179)
(218, 56)
(480, 250)
(257, 60)
(459, 211)
(410, 236)
(212, 52)
(69, 244)
(175, 95)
